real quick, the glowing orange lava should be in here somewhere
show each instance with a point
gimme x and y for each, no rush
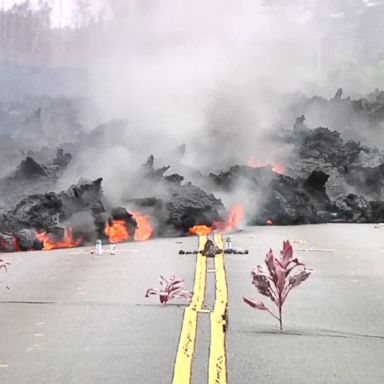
(269, 222)
(144, 230)
(235, 217)
(233, 221)
(117, 231)
(68, 240)
(200, 230)
(277, 168)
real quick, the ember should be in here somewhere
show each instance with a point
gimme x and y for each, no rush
(68, 241)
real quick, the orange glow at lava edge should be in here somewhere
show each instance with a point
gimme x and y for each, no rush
(277, 168)
(144, 230)
(269, 222)
(67, 242)
(233, 221)
(280, 169)
(253, 163)
(117, 231)
(235, 217)
(200, 230)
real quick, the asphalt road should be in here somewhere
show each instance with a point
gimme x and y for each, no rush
(75, 318)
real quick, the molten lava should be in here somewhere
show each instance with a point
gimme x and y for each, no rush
(269, 222)
(277, 168)
(68, 241)
(200, 230)
(144, 230)
(117, 231)
(234, 219)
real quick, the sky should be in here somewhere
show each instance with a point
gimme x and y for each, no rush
(67, 7)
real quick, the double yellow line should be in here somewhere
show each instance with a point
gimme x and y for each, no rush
(217, 373)
(217, 360)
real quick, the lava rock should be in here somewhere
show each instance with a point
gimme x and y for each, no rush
(44, 211)
(7, 243)
(367, 181)
(188, 205)
(29, 169)
(353, 209)
(27, 240)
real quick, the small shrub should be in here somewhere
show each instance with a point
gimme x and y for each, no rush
(170, 289)
(276, 281)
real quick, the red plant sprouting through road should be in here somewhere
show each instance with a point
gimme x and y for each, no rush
(171, 288)
(4, 265)
(276, 282)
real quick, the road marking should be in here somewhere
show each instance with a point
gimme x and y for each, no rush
(217, 373)
(205, 310)
(183, 365)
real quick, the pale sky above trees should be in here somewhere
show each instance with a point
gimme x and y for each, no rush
(67, 8)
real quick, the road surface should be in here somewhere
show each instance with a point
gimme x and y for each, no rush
(76, 318)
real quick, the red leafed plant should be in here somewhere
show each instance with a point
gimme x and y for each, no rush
(4, 265)
(171, 288)
(276, 281)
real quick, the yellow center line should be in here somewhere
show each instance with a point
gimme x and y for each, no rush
(183, 365)
(217, 358)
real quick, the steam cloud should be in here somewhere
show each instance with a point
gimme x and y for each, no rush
(218, 76)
